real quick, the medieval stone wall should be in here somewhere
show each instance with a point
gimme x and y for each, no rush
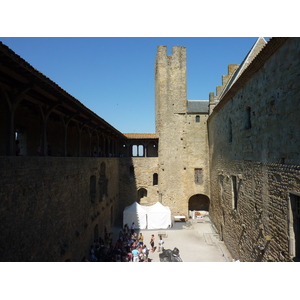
(254, 159)
(52, 208)
(137, 173)
(197, 153)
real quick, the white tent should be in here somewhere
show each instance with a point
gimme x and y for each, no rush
(137, 214)
(158, 216)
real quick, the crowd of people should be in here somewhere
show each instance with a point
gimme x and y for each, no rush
(129, 247)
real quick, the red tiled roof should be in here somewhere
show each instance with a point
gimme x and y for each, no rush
(141, 135)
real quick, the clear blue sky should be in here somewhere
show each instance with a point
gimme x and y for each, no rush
(114, 77)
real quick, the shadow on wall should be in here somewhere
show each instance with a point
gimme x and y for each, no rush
(128, 187)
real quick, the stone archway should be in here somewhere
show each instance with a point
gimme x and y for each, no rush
(142, 193)
(199, 202)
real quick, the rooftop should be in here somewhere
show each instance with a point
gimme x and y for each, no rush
(197, 106)
(141, 135)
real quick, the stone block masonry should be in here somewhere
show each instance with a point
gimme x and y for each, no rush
(52, 208)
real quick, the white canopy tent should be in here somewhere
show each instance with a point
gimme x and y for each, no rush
(137, 214)
(158, 216)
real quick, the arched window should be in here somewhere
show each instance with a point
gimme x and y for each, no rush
(197, 119)
(155, 179)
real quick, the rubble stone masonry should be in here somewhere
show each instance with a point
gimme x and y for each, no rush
(254, 158)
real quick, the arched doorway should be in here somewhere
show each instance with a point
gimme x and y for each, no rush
(199, 202)
(142, 193)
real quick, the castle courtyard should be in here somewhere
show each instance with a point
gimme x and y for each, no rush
(198, 242)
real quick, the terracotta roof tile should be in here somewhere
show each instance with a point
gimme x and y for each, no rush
(141, 135)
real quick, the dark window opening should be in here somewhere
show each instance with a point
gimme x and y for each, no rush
(295, 228)
(248, 118)
(235, 192)
(197, 119)
(155, 179)
(142, 193)
(230, 131)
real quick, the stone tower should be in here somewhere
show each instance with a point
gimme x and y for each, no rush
(170, 105)
(182, 141)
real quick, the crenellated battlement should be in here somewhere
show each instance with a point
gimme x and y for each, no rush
(170, 83)
(213, 99)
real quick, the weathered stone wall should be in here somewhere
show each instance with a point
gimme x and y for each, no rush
(170, 84)
(262, 208)
(197, 153)
(183, 143)
(49, 212)
(254, 138)
(137, 173)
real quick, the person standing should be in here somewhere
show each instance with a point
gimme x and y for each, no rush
(145, 252)
(126, 229)
(160, 244)
(152, 243)
(135, 255)
(132, 228)
(141, 240)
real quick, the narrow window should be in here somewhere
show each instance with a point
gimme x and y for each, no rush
(155, 179)
(248, 118)
(197, 119)
(134, 150)
(294, 227)
(140, 150)
(234, 192)
(230, 131)
(137, 150)
(198, 176)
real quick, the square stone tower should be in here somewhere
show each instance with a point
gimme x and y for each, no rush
(170, 97)
(183, 172)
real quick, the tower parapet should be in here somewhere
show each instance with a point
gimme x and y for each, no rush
(170, 83)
